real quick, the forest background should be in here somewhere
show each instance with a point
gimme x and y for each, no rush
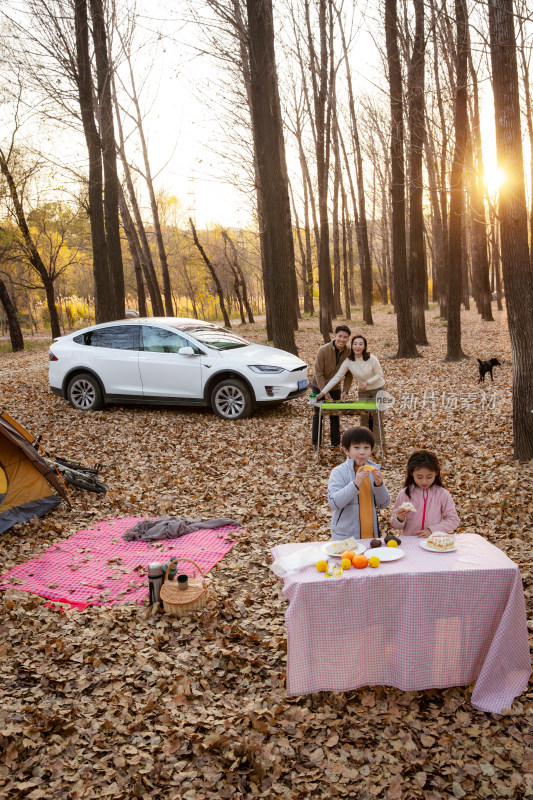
(358, 138)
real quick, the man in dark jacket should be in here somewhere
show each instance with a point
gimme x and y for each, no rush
(328, 360)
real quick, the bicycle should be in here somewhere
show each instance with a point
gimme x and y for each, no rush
(76, 474)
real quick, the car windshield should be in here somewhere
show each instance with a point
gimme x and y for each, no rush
(218, 338)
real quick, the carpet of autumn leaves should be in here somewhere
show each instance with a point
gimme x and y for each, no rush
(125, 702)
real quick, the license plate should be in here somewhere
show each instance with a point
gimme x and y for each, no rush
(303, 384)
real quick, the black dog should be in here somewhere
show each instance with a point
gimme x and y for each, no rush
(487, 366)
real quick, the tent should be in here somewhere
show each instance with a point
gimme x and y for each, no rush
(27, 481)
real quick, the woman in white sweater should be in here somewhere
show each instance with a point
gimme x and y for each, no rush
(368, 375)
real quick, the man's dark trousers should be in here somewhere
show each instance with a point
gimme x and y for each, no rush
(334, 422)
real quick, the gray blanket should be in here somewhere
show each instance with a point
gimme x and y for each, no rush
(149, 530)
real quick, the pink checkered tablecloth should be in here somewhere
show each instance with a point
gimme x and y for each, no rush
(427, 620)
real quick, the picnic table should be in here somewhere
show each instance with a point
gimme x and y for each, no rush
(349, 406)
(428, 620)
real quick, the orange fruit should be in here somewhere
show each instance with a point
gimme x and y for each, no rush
(321, 566)
(360, 561)
(346, 563)
(369, 468)
(349, 554)
(373, 561)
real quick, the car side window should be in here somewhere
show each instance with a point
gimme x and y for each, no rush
(159, 340)
(116, 337)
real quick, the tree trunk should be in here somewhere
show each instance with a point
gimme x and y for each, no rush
(244, 288)
(441, 174)
(335, 223)
(406, 339)
(517, 275)
(245, 62)
(236, 286)
(366, 264)
(51, 303)
(364, 250)
(495, 260)
(345, 273)
(167, 289)
(416, 82)
(109, 155)
(479, 222)
(214, 275)
(322, 146)
(15, 333)
(528, 110)
(146, 254)
(268, 138)
(454, 351)
(104, 306)
(135, 252)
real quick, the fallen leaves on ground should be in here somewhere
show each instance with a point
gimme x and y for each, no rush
(122, 702)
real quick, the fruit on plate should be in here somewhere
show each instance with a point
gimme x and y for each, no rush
(360, 561)
(346, 563)
(391, 538)
(369, 468)
(321, 565)
(373, 561)
(376, 543)
(392, 543)
(349, 554)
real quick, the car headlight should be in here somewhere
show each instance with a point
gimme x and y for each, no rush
(264, 369)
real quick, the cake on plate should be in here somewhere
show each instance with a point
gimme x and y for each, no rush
(336, 548)
(440, 541)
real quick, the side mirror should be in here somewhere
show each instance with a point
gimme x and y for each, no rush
(186, 351)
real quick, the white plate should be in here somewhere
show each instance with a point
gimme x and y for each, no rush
(423, 544)
(385, 553)
(355, 545)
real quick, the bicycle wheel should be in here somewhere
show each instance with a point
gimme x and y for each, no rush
(82, 480)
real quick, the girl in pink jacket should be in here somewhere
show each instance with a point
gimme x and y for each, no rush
(424, 505)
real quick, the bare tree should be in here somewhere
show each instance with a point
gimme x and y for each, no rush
(517, 275)
(406, 339)
(109, 157)
(15, 333)
(322, 121)
(30, 250)
(417, 267)
(270, 153)
(137, 118)
(454, 351)
(214, 275)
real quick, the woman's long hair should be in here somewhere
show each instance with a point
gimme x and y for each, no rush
(365, 355)
(421, 459)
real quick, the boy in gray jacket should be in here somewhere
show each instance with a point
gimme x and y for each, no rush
(345, 484)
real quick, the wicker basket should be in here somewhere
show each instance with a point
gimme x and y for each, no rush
(179, 602)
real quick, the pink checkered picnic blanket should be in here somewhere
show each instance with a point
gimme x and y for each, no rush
(97, 567)
(428, 620)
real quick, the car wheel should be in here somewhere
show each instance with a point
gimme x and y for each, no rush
(84, 393)
(231, 399)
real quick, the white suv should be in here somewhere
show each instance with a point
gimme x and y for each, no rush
(170, 360)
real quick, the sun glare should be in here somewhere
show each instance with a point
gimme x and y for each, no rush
(495, 179)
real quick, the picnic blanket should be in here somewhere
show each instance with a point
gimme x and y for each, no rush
(97, 567)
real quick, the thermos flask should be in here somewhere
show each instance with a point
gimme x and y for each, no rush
(156, 577)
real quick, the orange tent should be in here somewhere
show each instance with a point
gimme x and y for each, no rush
(27, 482)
